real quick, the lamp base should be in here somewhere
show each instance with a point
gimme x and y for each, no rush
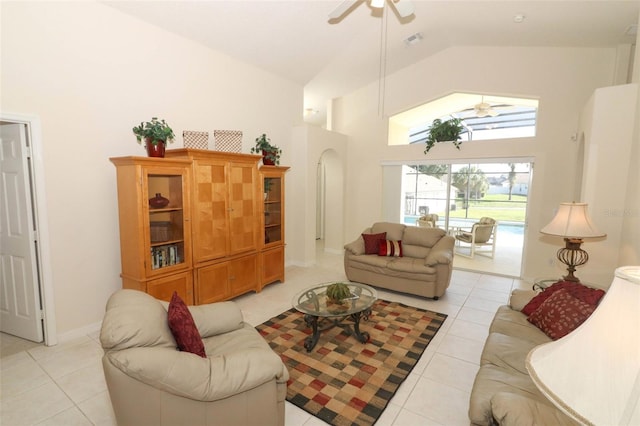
(572, 255)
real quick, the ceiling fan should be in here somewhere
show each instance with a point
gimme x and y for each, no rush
(403, 7)
(484, 109)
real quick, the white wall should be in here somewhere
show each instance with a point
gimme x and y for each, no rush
(562, 79)
(91, 73)
(630, 242)
(606, 127)
(308, 146)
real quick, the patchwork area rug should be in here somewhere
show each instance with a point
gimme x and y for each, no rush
(343, 381)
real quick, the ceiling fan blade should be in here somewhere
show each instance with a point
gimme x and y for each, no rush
(342, 9)
(404, 7)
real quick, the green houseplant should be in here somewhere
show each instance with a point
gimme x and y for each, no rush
(270, 153)
(337, 292)
(444, 131)
(156, 134)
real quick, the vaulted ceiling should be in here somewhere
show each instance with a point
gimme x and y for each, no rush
(294, 39)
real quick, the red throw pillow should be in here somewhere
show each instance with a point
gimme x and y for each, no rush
(371, 242)
(588, 295)
(183, 327)
(560, 314)
(390, 248)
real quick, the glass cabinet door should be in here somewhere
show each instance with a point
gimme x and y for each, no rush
(273, 205)
(166, 220)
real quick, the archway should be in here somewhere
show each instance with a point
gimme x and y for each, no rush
(330, 201)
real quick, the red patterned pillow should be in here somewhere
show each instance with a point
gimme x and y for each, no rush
(371, 242)
(588, 295)
(390, 248)
(560, 314)
(183, 327)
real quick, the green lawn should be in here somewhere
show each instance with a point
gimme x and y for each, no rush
(496, 206)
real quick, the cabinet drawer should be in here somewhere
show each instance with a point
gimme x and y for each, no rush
(212, 283)
(272, 265)
(163, 288)
(243, 274)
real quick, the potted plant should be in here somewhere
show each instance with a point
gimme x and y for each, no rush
(270, 153)
(338, 292)
(444, 131)
(156, 134)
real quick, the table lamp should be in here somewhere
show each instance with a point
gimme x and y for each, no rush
(574, 224)
(593, 373)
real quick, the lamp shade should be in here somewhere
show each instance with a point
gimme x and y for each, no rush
(593, 373)
(572, 221)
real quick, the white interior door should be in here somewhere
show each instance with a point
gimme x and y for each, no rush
(20, 306)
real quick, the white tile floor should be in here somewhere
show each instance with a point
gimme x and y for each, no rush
(63, 385)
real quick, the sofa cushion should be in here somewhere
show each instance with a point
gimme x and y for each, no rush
(390, 248)
(401, 267)
(491, 380)
(372, 242)
(408, 265)
(507, 352)
(426, 237)
(395, 231)
(560, 314)
(514, 323)
(183, 327)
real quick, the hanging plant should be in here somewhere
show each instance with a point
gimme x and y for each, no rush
(444, 131)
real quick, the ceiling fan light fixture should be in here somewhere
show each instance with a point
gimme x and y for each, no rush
(379, 4)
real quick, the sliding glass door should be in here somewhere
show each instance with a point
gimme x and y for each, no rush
(462, 193)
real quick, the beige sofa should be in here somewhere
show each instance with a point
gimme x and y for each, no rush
(424, 269)
(240, 382)
(503, 393)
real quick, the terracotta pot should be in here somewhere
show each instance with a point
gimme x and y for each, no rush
(154, 150)
(267, 161)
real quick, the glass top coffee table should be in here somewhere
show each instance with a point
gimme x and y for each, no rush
(321, 314)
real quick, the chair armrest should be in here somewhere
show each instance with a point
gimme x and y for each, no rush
(355, 247)
(441, 252)
(201, 379)
(215, 318)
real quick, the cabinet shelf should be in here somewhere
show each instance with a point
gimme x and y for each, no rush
(167, 242)
(165, 210)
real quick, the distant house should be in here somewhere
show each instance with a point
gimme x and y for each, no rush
(501, 186)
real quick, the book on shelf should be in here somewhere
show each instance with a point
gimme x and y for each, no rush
(163, 256)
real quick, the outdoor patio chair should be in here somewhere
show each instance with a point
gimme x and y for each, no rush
(428, 221)
(481, 238)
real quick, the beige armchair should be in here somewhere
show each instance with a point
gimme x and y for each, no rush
(240, 382)
(428, 221)
(481, 238)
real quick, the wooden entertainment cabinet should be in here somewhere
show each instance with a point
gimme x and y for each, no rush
(220, 235)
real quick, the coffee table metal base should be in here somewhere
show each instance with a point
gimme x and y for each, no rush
(319, 324)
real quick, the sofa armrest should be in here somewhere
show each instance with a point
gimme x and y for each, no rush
(513, 409)
(201, 379)
(441, 252)
(355, 247)
(214, 318)
(520, 298)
